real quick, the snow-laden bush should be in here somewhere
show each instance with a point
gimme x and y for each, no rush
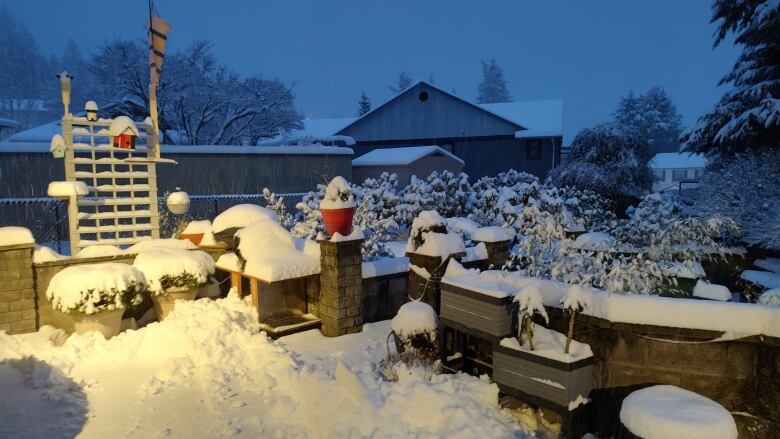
(93, 288)
(166, 269)
(276, 205)
(308, 222)
(375, 214)
(444, 192)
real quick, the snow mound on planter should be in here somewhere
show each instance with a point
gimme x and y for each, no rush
(149, 244)
(414, 318)
(208, 371)
(159, 262)
(241, 215)
(465, 227)
(662, 412)
(67, 189)
(15, 236)
(493, 234)
(550, 344)
(707, 290)
(194, 227)
(84, 288)
(441, 244)
(594, 241)
(770, 297)
(43, 254)
(99, 250)
(333, 192)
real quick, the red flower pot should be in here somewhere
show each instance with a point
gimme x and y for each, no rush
(338, 220)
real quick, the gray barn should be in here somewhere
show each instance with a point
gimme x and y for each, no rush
(489, 138)
(405, 162)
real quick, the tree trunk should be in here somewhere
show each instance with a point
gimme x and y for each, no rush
(571, 330)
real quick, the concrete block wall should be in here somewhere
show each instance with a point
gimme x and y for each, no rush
(339, 303)
(17, 293)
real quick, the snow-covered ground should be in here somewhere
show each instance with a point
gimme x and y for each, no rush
(207, 371)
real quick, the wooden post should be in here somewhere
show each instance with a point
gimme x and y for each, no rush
(153, 113)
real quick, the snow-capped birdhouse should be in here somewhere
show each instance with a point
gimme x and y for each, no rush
(123, 132)
(57, 148)
(92, 111)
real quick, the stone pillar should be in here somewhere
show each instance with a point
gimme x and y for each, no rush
(341, 283)
(17, 295)
(498, 253)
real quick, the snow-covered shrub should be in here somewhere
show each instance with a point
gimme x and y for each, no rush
(444, 192)
(276, 205)
(92, 288)
(166, 269)
(415, 326)
(414, 319)
(375, 214)
(308, 218)
(427, 221)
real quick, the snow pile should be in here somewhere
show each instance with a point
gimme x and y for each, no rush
(766, 279)
(414, 318)
(684, 270)
(441, 244)
(477, 253)
(385, 266)
(493, 234)
(338, 195)
(357, 233)
(15, 236)
(196, 227)
(268, 252)
(707, 290)
(149, 244)
(770, 297)
(43, 254)
(91, 288)
(99, 250)
(464, 227)
(61, 189)
(550, 344)
(121, 125)
(207, 371)
(458, 276)
(594, 241)
(241, 215)
(662, 412)
(158, 263)
(768, 264)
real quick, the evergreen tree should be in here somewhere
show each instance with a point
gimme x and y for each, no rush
(404, 82)
(654, 118)
(493, 86)
(364, 105)
(748, 116)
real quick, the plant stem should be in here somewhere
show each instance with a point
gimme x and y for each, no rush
(571, 330)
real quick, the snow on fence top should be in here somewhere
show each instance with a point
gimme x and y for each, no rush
(15, 236)
(67, 189)
(400, 156)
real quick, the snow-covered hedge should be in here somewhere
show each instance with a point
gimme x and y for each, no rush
(93, 288)
(167, 268)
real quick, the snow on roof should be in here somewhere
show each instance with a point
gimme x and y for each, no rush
(544, 118)
(400, 156)
(121, 124)
(44, 147)
(665, 160)
(8, 123)
(42, 133)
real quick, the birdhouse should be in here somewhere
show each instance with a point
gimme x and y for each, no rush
(92, 111)
(57, 148)
(123, 132)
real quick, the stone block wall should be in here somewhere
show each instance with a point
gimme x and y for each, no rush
(341, 284)
(17, 294)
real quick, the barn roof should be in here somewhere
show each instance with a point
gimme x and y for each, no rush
(400, 156)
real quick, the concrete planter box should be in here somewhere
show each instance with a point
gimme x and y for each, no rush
(164, 304)
(107, 323)
(487, 314)
(541, 380)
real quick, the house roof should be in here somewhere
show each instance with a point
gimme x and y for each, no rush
(677, 160)
(10, 123)
(540, 118)
(400, 156)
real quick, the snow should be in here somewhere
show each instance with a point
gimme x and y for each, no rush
(149, 244)
(707, 290)
(99, 251)
(357, 233)
(493, 234)
(458, 276)
(91, 288)
(594, 241)
(766, 279)
(423, 221)
(159, 262)
(91, 106)
(477, 253)
(121, 125)
(550, 344)
(770, 297)
(530, 302)
(768, 264)
(401, 156)
(577, 297)
(385, 266)
(43, 254)
(271, 253)
(463, 226)
(663, 411)
(62, 189)
(195, 227)
(207, 371)
(241, 215)
(677, 160)
(338, 195)
(415, 317)
(208, 238)
(684, 270)
(12, 235)
(544, 116)
(441, 244)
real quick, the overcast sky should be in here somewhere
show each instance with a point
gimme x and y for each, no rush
(589, 53)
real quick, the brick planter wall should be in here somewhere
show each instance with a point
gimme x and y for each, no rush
(341, 285)
(17, 295)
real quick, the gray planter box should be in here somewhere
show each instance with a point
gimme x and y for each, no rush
(549, 382)
(474, 310)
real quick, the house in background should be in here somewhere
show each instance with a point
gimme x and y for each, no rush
(7, 127)
(405, 162)
(489, 138)
(673, 171)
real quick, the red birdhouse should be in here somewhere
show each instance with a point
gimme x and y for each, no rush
(124, 141)
(123, 132)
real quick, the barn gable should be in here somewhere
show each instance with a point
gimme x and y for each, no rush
(423, 111)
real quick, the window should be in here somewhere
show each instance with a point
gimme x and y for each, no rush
(423, 96)
(659, 174)
(533, 150)
(679, 174)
